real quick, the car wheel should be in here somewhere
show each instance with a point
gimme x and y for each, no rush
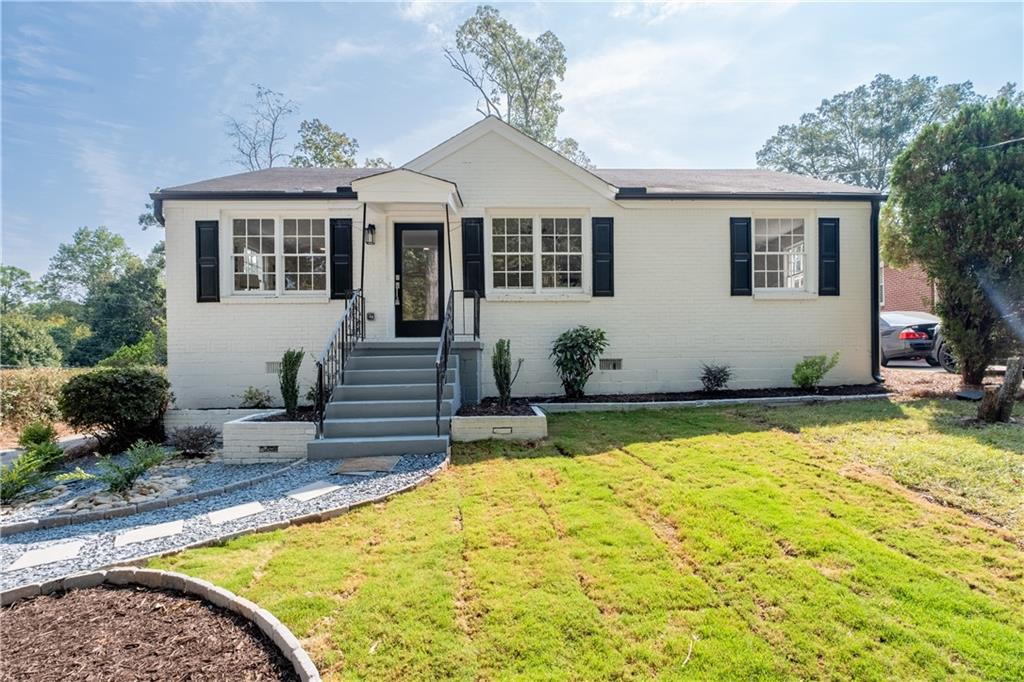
(932, 361)
(946, 359)
(884, 361)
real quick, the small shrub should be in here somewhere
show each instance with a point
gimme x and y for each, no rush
(288, 377)
(715, 377)
(501, 365)
(119, 405)
(36, 433)
(141, 353)
(576, 352)
(811, 370)
(28, 395)
(28, 470)
(142, 456)
(255, 397)
(194, 441)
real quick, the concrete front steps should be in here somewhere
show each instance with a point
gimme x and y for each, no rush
(387, 404)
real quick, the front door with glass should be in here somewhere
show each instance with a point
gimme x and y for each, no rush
(419, 279)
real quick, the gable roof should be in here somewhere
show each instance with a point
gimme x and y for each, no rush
(493, 124)
(665, 182)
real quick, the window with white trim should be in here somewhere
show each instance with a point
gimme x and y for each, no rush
(252, 250)
(305, 254)
(524, 259)
(561, 253)
(780, 253)
(512, 253)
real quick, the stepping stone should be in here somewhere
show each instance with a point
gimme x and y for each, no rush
(159, 530)
(47, 555)
(314, 489)
(365, 466)
(239, 511)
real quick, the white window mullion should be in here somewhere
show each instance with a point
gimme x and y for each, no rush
(279, 253)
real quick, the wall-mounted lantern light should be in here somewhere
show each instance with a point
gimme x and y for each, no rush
(370, 234)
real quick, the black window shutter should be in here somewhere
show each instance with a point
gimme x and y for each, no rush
(207, 261)
(603, 247)
(341, 257)
(473, 255)
(739, 257)
(828, 256)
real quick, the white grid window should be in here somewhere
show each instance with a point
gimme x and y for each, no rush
(305, 254)
(779, 253)
(561, 253)
(512, 253)
(255, 261)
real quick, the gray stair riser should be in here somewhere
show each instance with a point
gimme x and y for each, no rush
(362, 377)
(409, 426)
(390, 392)
(334, 449)
(359, 362)
(389, 408)
(370, 349)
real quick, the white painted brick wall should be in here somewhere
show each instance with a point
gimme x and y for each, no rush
(671, 310)
(243, 439)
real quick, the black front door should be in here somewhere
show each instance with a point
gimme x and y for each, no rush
(419, 279)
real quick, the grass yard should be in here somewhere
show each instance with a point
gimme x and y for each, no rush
(743, 543)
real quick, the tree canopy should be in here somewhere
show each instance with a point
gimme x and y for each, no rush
(320, 146)
(515, 77)
(17, 288)
(26, 342)
(855, 136)
(92, 258)
(959, 193)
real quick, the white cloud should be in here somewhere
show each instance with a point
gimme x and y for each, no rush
(437, 17)
(105, 174)
(652, 13)
(606, 94)
(36, 55)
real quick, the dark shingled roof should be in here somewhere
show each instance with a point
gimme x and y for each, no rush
(657, 181)
(723, 181)
(283, 179)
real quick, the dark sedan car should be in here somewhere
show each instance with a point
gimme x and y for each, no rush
(907, 336)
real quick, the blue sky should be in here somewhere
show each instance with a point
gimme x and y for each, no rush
(104, 102)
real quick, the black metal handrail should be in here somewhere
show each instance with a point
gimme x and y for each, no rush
(330, 366)
(444, 344)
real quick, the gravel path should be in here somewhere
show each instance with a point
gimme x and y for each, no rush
(98, 538)
(205, 476)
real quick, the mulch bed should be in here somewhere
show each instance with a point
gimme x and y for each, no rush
(716, 395)
(305, 413)
(915, 383)
(133, 633)
(489, 407)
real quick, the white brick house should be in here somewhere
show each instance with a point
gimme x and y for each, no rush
(751, 268)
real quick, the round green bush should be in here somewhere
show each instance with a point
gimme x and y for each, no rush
(119, 404)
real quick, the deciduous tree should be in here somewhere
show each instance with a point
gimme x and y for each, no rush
(515, 77)
(320, 146)
(256, 140)
(91, 259)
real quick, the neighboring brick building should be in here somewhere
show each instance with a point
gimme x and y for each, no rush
(907, 289)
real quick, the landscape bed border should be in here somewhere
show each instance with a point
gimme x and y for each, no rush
(709, 402)
(279, 635)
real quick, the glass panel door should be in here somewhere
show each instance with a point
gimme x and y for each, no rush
(419, 279)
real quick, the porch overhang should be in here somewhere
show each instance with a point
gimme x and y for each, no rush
(404, 186)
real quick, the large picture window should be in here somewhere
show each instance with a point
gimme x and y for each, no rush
(255, 261)
(525, 259)
(279, 255)
(779, 253)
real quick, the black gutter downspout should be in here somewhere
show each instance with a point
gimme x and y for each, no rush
(448, 235)
(874, 330)
(362, 257)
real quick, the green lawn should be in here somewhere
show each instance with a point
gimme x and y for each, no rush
(749, 543)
